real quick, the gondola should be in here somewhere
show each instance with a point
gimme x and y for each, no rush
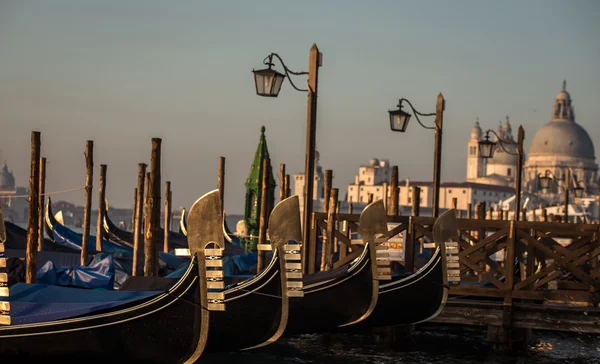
(412, 298)
(115, 234)
(345, 295)
(176, 240)
(64, 236)
(258, 307)
(151, 327)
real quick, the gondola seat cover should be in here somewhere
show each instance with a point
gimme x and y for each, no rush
(100, 274)
(37, 303)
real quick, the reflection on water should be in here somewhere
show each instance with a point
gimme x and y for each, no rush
(432, 344)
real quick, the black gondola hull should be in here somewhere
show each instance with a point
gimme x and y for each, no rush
(256, 312)
(337, 301)
(161, 329)
(410, 299)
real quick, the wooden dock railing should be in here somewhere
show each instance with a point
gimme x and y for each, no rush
(498, 259)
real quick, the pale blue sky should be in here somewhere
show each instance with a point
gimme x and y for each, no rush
(122, 72)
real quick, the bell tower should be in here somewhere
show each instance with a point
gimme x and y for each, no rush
(475, 165)
(254, 192)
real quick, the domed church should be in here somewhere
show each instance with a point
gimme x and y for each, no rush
(558, 146)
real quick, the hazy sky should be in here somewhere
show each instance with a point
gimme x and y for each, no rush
(121, 72)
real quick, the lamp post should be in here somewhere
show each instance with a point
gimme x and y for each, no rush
(486, 150)
(268, 83)
(578, 189)
(399, 122)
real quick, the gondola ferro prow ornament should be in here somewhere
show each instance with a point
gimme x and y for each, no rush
(4, 291)
(445, 236)
(285, 233)
(373, 228)
(205, 238)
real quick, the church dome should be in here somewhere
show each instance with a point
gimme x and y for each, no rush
(7, 180)
(562, 135)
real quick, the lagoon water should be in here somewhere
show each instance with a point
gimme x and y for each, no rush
(431, 344)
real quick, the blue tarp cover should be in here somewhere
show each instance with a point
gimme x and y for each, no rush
(37, 303)
(99, 274)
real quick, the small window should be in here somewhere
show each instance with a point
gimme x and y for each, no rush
(508, 171)
(464, 191)
(377, 189)
(449, 191)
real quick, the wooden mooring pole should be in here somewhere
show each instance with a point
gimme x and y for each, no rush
(288, 190)
(134, 207)
(101, 208)
(328, 248)
(264, 211)
(394, 195)
(282, 187)
(167, 216)
(41, 203)
(327, 182)
(87, 209)
(33, 219)
(221, 183)
(138, 214)
(152, 212)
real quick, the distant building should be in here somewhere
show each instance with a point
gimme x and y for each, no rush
(14, 208)
(559, 145)
(318, 186)
(500, 170)
(372, 179)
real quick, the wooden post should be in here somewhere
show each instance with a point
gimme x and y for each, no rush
(33, 219)
(393, 205)
(469, 210)
(264, 220)
(282, 188)
(101, 208)
(153, 212)
(520, 138)
(346, 229)
(327, 182)
(370, 199)
(491, 213)
(327, 263)
(311, 132)
(220, 182)
(87, 209)
(437, 153)
(416, 201)
(460, 214)
(167, 216)
(544, 214)
(524, 211)
(134, 209)
(566, 184)
(138, 214)
(41, 203)
(288, 190)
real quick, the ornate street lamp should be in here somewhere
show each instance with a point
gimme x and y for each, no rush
(399, 119)
(486, 147)
(268, 83)
(486, 150)
(578, 186)
(399, 122)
